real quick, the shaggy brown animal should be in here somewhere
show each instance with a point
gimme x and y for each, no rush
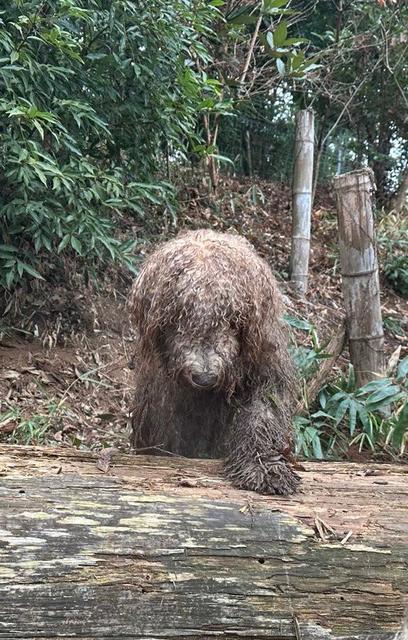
(214, 374)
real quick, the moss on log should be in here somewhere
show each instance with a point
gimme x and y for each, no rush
(158, 548)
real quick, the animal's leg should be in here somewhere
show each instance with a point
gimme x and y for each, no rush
(259, 447)
(152, 414)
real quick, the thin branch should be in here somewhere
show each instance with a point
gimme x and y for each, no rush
(349, 101)
(251, 50)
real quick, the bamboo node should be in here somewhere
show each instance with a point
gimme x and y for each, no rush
(356, 274)
(379, 336)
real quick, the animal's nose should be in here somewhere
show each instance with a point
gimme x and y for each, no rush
(205, 380)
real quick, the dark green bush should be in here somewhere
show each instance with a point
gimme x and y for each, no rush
(91, 94)
(396, 270)
(373, 417)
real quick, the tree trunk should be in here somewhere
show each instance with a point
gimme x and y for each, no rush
(302, 200)
(400, 199)
(210, 161)
(381, 167)
(382, 148)
(248, 152)
(361, 287)
(321, 142)
(163, 548)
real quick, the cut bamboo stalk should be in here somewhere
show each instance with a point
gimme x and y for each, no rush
(302, 200)
(359, 267)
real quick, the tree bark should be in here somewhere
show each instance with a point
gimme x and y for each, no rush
(359, 266)
(400, 199)
(302, 200)
(248, 152)
(150, 548)
(210, 161)
(321, 141)
(381, 164)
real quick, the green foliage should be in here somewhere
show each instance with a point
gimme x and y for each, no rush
(361, 47)
(276, 43)
(363, 411)
(373, 417)
(268, 126)
(346, 61)
(260, 54)
(306, 358)
(396, 270)
(91, 94)
(393, 325)
(308, 438)
(32, 430)
(393, 243)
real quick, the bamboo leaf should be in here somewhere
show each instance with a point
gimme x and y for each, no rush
(280, 34)
(280, 65)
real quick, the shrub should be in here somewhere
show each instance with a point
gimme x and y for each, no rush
(396, 270)
(373, 417)
(91, 94)
(393, 242)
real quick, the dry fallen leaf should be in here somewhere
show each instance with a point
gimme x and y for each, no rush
(393, 360)
(10, 375)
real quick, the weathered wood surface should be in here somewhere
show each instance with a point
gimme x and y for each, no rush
(164, 548)
(359, 269)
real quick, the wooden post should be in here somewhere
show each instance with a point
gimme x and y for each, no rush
(359, 266)
(302, 200)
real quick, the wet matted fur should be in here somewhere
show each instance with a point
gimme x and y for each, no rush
(213, 373)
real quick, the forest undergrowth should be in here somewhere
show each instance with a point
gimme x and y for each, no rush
(66, 341)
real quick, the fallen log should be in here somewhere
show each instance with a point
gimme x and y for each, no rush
(157, 548)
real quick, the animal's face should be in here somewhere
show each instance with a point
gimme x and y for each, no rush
(204, 363)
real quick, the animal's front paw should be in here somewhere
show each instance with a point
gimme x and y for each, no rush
(265, 474)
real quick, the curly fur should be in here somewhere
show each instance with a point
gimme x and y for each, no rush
(214, 374)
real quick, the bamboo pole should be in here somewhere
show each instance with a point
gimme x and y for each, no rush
(302, 200)
(359, 266)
